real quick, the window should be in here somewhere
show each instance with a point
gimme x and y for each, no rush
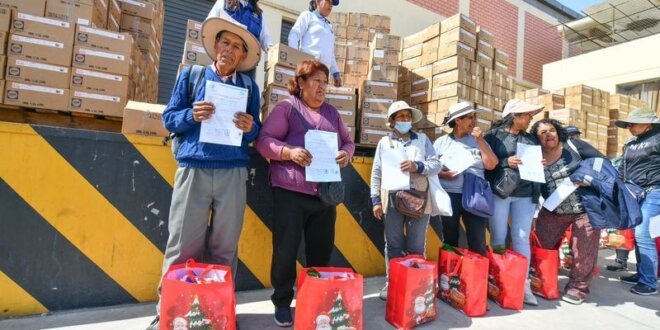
(286, 28)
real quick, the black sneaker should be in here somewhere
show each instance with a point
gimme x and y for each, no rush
(571, 299)
(617, 266)
(283, 317)
(643, 290)
(155, 324)
(630, 279)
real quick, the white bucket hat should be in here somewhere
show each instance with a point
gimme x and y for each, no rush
(457, 110)
(639, 116)
(402, 105)
(215, 25)
(520, 106)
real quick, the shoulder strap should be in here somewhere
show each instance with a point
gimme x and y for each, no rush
(194, 81)
(248, 84)
(625, 165)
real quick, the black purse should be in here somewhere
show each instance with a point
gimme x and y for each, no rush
(506, 181)
(330, 193)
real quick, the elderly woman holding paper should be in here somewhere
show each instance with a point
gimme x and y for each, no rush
(298, 210)
(471, 154)
(563, 156)
(404, 162)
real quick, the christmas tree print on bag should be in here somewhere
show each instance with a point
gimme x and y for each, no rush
(198, 296)
(411, 291)
(329, 298)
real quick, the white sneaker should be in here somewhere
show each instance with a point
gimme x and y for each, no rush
(529, 299)
(383, 293)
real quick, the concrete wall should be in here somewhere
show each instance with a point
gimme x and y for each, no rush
(627, 63)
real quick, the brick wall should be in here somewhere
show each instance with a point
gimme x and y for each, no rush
(542, 45)
(501, 18)
(445, 8)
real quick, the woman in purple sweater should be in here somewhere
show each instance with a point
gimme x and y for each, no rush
(298, 211)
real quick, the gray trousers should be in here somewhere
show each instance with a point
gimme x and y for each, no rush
(206, 217)
(396, 243)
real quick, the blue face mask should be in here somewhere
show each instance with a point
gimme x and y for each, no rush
(403, 126)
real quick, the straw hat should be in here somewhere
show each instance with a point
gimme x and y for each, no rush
(520, 106)
(639, 116)
(215, 25)
(402, 105)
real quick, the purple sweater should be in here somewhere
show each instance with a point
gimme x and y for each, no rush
(283, 127)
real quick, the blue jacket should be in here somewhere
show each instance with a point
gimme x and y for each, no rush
(609, 204)
(178, 119)
(246, 15)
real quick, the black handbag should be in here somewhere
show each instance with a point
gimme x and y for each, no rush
(505, 182)
(330, 193)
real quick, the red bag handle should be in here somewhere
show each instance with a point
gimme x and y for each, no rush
(457, 267)
(191, 274)
(535, 239)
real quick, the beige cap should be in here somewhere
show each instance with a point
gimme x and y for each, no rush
(402, 105)
(520, 106)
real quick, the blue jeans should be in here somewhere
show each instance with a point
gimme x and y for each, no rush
(521, 210)
(396, 243)
(647, 266)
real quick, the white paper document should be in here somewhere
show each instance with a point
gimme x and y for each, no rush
(324, 147)
(220, 128)
(393, 178)
(531, 168)
(457, 158)
(654, 226)
(565, 189)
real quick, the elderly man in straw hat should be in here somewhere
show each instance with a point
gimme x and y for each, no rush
(641, 165)
(211, 179)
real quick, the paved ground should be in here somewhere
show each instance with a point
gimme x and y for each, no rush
(610, 306)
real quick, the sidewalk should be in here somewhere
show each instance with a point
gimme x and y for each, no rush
(609, 306)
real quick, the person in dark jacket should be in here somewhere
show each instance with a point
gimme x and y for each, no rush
(563, 156)
(520, 205)
(641, 165)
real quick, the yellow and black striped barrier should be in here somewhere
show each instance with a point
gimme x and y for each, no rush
(84, 215)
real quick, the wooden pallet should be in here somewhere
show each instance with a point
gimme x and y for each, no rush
(60, 119)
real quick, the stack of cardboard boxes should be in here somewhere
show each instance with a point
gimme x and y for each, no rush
(453, 61)
(620, 106)
(61, 57)
(193, 50)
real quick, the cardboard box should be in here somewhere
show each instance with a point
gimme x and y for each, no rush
(377, 120)
(451, 63)
(451, 90)
(52, 52)
(35, 73)
(342, 98)
(378, 90)
(341, 32)
(405, 89)
(144, 119)
(386, 41)
(456, 49)
(194, 31)
(339, 18)
(341, 51)
(379, 22)
(284, 55)
(357, 33)
(445, 103)
(420, 97)
(358, 53)
(422, 72)
(431, 32)
(274, 94)
(413, 39)
(422, 84)
(372, 136)
(462, 35)
(501, 68)
(579, 89)
(384, 57)
(485, 35)
(353, 80)
(486, 48)
(98, 82)
(348, 117)
(3, 42)
(450, 77)
(501, 57)
(389, 73)
(32, 7)
(412, 63)
(108, 62)
(41, 27)
(341, 64)
(104, 40)
(456, 21)
(138, 8)
(411, 52)
(279, 74)
(376, 105)
(358, 19)
(357, 43)
(97, 104)
(357, 67)
(195, 54)
(5, 20)
(430, 51)
(32, 96)
(76, 12)
(484, 60)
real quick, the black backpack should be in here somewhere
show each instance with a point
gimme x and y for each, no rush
(195, 78)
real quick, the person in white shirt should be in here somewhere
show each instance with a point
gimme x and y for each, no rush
(313, 34)
(245, 12)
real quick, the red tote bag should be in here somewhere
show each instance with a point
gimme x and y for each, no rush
(411, 292)
(331, 301)
(198, 295)
(463, 277)
(544, 270)
(506, 278)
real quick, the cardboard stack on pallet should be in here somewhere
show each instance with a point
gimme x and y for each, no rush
(61, 57)
(619, 107)
(452, 61)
